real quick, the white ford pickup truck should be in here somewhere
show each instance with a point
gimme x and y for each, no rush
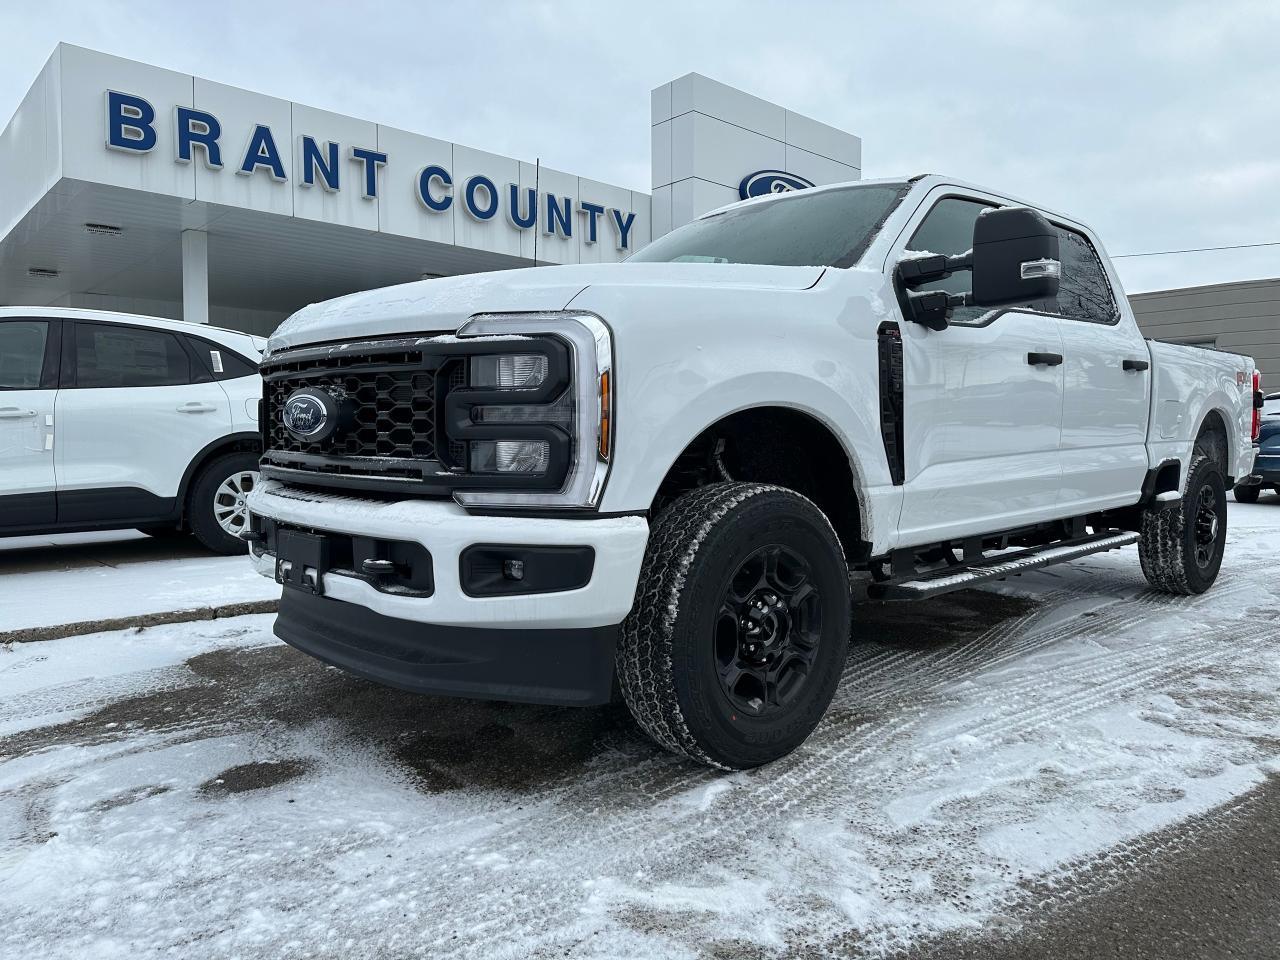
(657, 476)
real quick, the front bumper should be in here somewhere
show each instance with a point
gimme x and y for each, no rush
(563, 667)
(445, 530)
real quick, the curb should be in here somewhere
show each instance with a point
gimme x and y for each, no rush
(138, 622)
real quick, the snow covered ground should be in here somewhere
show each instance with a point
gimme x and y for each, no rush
(203, 791)
(77, 578)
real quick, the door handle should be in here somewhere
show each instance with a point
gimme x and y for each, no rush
(1044, 359)
(1135, 364)
(195, 406)
(15, 413)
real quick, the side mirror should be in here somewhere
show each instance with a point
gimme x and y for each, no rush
(1015, 257)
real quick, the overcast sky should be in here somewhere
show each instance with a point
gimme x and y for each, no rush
(1156, 122)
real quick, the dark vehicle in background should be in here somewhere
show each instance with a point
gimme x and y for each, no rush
(1266, 468)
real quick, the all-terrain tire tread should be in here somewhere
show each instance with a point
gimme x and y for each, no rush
(1161, 543)
(645, 654)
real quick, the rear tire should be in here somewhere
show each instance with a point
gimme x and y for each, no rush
(1181, 546)
(215, 508)
(735, 645)
(1247, 494)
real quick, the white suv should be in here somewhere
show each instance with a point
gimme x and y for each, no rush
(111, 421)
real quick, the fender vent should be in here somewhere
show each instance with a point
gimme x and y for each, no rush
(889, 341)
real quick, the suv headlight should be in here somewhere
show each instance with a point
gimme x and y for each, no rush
(507, 437)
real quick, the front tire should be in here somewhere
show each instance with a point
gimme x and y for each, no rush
(735, 645)
(216, 509)
(1181, 546)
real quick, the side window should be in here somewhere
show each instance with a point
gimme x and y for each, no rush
(22, 349)
(222, 363)
(1083, 292)
(234, 365)
(948, 229)
(107, 355)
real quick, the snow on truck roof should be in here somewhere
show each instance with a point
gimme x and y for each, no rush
(924, 181)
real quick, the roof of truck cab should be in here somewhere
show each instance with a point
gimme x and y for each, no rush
(925, 181)
(236, 339)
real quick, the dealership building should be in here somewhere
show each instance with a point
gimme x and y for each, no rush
(135, 188)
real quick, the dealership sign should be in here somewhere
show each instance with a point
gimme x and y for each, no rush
(764, 182)
(327, 166)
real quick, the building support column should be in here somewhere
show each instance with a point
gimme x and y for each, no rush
(195, 276)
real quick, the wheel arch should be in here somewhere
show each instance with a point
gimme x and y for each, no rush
(243, 442)
(783, 430)
(1214, 436)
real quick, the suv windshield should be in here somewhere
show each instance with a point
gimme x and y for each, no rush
(827, 228)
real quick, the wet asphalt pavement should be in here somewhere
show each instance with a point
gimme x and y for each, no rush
(1208, 888)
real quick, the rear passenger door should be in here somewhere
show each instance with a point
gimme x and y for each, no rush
(28, 385)
(135, 409)
(1106, 400)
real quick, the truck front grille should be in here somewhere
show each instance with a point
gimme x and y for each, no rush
(395, 415)
(391, 397)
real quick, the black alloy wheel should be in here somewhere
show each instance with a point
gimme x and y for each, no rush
(1181, 545)
(1206, 526)
(768, 632)
(737, 639)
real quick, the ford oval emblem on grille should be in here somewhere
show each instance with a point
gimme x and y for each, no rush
(764, 182)
(309, 414)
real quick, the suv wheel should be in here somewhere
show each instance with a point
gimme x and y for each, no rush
(1181, 546)
(216, 508)
(738, 636)
(1247, 494)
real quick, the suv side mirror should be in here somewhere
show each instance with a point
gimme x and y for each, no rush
(1015, 257)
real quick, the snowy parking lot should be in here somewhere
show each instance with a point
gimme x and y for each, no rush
(202, 790)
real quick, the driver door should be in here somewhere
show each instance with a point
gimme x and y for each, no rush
(983, 419)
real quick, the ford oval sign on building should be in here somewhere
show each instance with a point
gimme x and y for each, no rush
(764, 182)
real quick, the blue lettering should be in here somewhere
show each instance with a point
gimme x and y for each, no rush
(129, 123)
(517, 214)
(624, 227)
(559, 220)
(469, 197)
(427, 175)
(262, 152)
(372, 160)
(325, 164)
(593, 211)
(199, 129)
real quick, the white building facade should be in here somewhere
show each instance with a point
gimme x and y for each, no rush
(135, 188)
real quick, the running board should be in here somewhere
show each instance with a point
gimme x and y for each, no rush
(946, 579)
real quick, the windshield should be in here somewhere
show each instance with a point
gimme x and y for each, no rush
(827, 228)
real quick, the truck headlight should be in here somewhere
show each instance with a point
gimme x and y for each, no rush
(510, 456)
(509, 371)
(584, 412)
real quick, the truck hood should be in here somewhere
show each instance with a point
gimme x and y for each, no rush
(442, 305)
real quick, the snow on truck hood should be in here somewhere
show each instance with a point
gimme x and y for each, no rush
(444, 304)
